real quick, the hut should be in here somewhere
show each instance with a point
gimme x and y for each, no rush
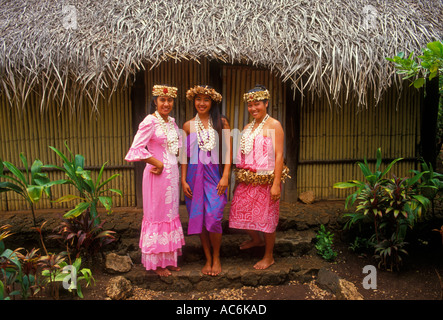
(81, 71)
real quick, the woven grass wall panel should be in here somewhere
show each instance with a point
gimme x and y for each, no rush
(350, 134)
(100, 137)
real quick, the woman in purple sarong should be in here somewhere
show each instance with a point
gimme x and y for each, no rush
(205, 173)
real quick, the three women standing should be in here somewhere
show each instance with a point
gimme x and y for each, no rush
(157, 143)
(205, 177)
(205, 172)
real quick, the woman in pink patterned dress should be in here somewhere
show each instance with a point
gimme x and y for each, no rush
(157, 142)
(259, 165)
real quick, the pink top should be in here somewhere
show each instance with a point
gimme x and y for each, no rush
(261, 158)
(150, 141)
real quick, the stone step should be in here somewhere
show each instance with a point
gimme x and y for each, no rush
(236, 273)
(287, 244)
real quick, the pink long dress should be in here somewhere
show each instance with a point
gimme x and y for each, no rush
(161, 236)
(252, 207)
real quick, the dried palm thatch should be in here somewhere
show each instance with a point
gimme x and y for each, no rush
(65, 49)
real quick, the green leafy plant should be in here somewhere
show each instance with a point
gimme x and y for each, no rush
(390, 205)
(51, 265)
(29, 184)
(430, 65)
(90, 192)
(324, 244)
(431, 183)
(361, 244)
(389, 252)
(80, 234)
(57, 273)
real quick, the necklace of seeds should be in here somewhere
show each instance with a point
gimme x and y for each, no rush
(205, 137)
(247, 139)
(170, 133)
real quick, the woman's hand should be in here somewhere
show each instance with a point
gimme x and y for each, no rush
(187, 189)
(275, 192)
(222, 185)
(157, 168)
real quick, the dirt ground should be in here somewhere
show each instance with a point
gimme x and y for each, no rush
(417, 280)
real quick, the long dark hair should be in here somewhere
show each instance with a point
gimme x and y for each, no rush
(217, 123)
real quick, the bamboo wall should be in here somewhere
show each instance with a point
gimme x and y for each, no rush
(100, 137)
(332, 139)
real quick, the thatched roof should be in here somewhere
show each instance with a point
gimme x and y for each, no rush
(323, 45)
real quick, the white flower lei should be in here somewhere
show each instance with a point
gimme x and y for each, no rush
(205, 137)
(170, 133)
(247, 139)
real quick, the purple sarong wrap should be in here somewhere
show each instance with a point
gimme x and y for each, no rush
(205, 209)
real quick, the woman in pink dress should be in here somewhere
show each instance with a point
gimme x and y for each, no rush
(259, 165)
(157, 142)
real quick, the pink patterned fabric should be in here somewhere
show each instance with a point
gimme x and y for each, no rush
(252, 207)
(161, 236)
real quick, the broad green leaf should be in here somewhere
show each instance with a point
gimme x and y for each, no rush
(119, 192)
(436, 47)
(78, 210)
(419, 83)
(79, 161)
(35, 193)
(106, 202)
(343, 185)
(67, 198)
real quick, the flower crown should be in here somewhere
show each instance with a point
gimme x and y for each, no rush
(164, 91)
(256, 96)
(191, 93)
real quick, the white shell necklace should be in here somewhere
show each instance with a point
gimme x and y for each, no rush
(170, 133)
(205, 137)
(248, 137)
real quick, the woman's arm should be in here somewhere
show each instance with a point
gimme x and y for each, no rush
(278, 152)
(184, 164)
(224, 181)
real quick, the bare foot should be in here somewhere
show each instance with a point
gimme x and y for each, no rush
(251, 243)
(172, 268)
(264, 264)
(162, 272)
(207, 269)
(216, 268)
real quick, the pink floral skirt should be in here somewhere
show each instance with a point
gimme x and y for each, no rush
(161, 243)
(253, 209)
